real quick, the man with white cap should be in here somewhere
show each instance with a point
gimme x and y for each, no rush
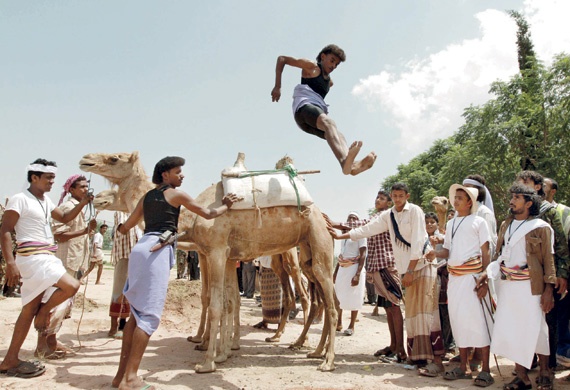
(46, 284)
(466, 246)
(349, 284)
(485, 209)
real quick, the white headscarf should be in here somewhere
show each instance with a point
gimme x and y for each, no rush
(488, 200)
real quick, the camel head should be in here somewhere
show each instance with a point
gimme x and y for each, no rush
(440, 203)
(114, 167)
(109, 200)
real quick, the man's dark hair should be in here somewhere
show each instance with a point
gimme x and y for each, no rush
(165, 165)
(400, 187)
(432, 215)
(41, 161)
(332, 49)
(103, 226)
(554, 183)
(384, 193)
(536, 178)
(80, 178)
(529, 195)
(482, 194)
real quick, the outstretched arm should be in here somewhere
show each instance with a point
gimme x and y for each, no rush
(309, 67)
(183, 199)
(69, 215)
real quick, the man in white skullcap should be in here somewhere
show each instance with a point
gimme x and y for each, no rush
(45, 282)
(349, 283)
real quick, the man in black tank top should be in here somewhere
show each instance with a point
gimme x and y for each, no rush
(311, 111)
(149, 268)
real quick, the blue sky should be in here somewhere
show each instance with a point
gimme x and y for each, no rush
(194, 79)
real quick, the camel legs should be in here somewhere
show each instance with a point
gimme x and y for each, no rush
(292, 266)
(314, 308)
(278, 266)
(318, 352)
(318, 261)
(230, 315)
(217, 267)
(205, 298)
(323, 272)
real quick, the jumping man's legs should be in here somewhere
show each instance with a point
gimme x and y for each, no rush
(345, 156)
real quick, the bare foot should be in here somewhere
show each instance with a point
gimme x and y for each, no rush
(364, 164)
(136, 385)
(347, 164)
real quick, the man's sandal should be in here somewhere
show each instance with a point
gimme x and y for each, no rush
(484, 379)
(456, 373)
(517, 384)
(25, 370)
(544, 383)
(432, 370)
(383, 352)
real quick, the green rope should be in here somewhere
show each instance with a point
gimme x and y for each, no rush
(291, 172)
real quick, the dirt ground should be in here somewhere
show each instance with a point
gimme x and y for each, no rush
(170, 359)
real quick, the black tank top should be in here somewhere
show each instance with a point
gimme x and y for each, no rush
(318, 84)
(159, 215)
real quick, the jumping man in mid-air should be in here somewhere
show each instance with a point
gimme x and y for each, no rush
(311, 111)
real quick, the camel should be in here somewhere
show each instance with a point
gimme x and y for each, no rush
(285, 265)
(236, 236)
(441, 204)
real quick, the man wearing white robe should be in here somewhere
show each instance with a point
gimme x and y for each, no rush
(349, 283)
(466, 246)
(524, 277)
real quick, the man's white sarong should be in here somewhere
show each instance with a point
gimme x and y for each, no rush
(39, 272)
(466, 313)
(520, 327)
(350, 297)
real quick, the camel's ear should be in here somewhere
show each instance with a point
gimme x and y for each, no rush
(134, 156)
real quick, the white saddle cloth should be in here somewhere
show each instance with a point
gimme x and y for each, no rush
(266, 190)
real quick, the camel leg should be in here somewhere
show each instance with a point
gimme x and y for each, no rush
(302, 340)
(305, 264)
(322, 266)
(294, 270)
(217, 260)
(205, 298)
(277, 264)
(318, 352)
(236, 329)
(229, 306)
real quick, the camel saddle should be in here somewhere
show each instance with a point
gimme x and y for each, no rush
(262, 189)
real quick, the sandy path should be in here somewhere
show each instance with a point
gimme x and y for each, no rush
(169, 359)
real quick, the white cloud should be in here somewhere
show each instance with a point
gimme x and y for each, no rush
(425, 100)
(549, 26)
